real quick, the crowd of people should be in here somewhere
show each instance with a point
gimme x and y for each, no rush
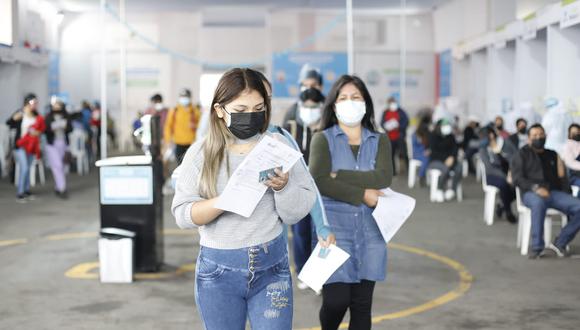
(328, 197)
(39, 138)
(536, 160)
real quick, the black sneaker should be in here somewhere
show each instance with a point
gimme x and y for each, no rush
(62, 194)
(21, 199)
(536, 254)
(561, 253)
(511, 218)
(29, 196)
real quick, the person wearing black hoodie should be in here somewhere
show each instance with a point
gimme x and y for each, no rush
(443, 157)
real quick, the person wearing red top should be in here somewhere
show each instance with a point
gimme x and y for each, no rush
(28, 125)
(395, 122)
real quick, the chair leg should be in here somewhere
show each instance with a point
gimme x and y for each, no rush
(547, 231)
(520, 229)
(33, 175)
(41, 173)
(489, 207)
(526, 231)
(412, 177)
(459, 193)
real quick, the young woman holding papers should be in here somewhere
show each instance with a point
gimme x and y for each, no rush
(242, 268)
(350, 163)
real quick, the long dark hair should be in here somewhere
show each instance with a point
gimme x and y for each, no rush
(329, 116)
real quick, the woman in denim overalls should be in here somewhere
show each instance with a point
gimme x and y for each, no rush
(350, 163)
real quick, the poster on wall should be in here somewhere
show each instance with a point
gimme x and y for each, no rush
(444, 78)
(286, 69)
(6, 24)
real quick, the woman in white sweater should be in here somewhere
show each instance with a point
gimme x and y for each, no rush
(242, 268)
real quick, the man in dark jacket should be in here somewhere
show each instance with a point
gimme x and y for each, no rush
(519, 138)
(540, 175)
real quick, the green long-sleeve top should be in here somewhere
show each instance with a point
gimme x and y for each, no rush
(349, 186)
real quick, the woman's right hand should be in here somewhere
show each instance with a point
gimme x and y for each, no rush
(17, 116)
(371, 197)
(325, 243)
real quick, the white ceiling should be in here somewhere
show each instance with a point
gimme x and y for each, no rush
(191, 5)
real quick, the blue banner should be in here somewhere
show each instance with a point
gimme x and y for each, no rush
(445, 73)
(286, 69)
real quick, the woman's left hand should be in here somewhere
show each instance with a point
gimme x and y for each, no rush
(279, 181)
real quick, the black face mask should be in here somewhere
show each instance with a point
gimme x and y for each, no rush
(244, 125)
(576, 137)
(500, 127)
(538, 143)
(522, 130)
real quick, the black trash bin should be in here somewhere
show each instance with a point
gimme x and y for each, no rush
(131, 199)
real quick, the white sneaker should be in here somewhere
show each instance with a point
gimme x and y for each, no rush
(449, 194)
(439, 198)
(301, 285)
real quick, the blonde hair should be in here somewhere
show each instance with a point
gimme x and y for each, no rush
(232, 84)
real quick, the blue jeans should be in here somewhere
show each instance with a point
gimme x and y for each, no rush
(253, 282)
(574, 181)
(560, 201)
(24, 161)
(301, 242)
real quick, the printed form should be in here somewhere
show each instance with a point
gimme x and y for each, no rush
(392, 211)
(321, 265)
(244, 190)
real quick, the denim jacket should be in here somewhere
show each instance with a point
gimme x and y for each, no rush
(354, 227)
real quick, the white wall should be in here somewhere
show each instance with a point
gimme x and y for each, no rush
(458, 20)
(531, 70)
(500, 77)
(564, 64)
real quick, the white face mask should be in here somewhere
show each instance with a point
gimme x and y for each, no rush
(158, 106)
(350, 113)
(309, 116)
(446, 130)
(184, 101)
(393, 106)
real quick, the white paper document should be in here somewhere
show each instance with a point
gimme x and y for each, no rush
(244, 191)
(392, 211)
(318, 270)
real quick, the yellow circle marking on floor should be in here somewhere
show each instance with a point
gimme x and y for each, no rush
(465, 280)
(85, 271)
(13, 242)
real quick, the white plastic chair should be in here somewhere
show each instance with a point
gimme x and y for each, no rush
(4, 147)
(525, 224)
(433, 175)
(490, 196)
(78, 150)
(414, 165)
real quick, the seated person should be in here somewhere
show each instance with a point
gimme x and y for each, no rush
(420, 140)
(520, 138)
(500, 127)
(571, 154)
(470, 142)
(539, 174)
(496, 153)
(443, 157)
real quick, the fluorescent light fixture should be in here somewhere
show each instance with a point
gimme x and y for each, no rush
(6, 24)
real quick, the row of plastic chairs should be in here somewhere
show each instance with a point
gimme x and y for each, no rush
(524, 214)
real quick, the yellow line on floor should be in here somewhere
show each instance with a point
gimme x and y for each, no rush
(61, 237)
(465, 280)
(86, 271)
(13, 242)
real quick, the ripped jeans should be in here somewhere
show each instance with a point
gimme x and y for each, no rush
(252, 283)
